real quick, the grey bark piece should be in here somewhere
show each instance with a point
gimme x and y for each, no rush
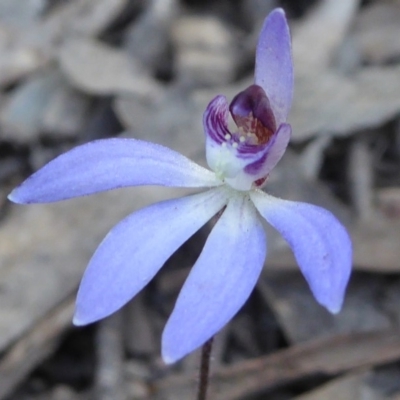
(64, 392)
(388, 201)
(110, 383)
(205, 50)
(361, 178)
(21, 117)
(67, 113)
(99, 69)
(21, 13)
(340, 105)
(153, 27)
(376, 244)
(43, 104)
(377, 384)
(137, 375)
(16, 58)
(79, 18)
(312, 157)
(138, 328)
(376, 32)
(350, 387)
(33, 347)
(302, 318)
(256, 10)
(25, 50)
(173, 119)
(319, 35)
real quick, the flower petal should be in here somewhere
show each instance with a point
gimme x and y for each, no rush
(274, 152)
(220, 282)
(319, 242)
(274, 67)
(110, 164)
(215, 119)
(135, 249)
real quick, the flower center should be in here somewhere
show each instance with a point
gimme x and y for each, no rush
(253, 115)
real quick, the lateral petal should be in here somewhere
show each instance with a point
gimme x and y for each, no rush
(109, 164)
(220, 282)
(320, 243)
(135, 249)
(274, 66)
(215, 119)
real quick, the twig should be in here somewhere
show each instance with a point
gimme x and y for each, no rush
(34, 346)
(204, 369)
(109, 347)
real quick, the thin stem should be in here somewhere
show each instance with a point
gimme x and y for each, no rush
(204, 369)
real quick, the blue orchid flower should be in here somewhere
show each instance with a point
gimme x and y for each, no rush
(227, 270)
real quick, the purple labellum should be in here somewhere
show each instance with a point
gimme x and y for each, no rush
(244, 158)
(254, 117)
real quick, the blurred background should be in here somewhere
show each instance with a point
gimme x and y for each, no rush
(72, 71)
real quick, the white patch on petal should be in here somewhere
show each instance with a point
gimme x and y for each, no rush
(240, 182)
(223, 160)
(228, 166)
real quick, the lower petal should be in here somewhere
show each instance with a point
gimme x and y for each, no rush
(320, 243)
(135, 249)
(220, 281)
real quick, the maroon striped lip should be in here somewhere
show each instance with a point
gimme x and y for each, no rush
(253, 115)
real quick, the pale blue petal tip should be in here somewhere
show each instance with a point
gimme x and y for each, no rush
(14, 198)
(278, 10)
(334, 308)
(77, 321)
(172, 352)
(80, 320)
(11, 197)
(168, 359)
